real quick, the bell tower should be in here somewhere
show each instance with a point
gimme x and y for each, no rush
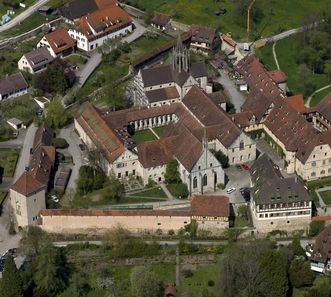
(180, 56)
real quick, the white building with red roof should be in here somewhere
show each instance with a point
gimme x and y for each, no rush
(93, 29)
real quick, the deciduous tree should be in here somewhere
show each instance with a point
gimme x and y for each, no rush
(144, 283)
(172, 175)
(56, 114)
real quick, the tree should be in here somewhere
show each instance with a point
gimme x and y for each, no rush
(275, 270)
(144, 283)
(115, 188)
(316, 227)
(223, 159)
(11, 283)
(56, 114)
(243, 211)
(296, 247)
(51, 272)
(32, 241)
(300, 273)
(90, 179)
(305, 76)
(114, 96)
(172, 175)
(79, 284)
(117, 237)
(327, 69)
(192, 228)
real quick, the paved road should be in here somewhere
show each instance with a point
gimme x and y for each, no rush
(236, 97)
(24, 158)
(72, 138)
(303, 242)
(17, 142)
(96, 57)
(22, 16)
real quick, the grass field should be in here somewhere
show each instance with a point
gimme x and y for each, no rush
(8, 160)
(326, 196)
(106, 74)
(23, 108)
(159, 130)
(286, 50)
(33, 21)
(199, 281)
(276, 15)
(319, 96)
(240, 222)
(142, 136)
(154, 192)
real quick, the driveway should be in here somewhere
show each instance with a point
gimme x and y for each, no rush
(24, 158)
(236, 97)
(96, 58)
(14, 143)
(238, 179)
(23, 15)
(72, 138)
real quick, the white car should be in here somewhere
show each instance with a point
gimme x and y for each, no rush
(55, 199)
(230, 190)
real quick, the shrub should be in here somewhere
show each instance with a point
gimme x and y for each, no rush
(60, 143)
(221, 186)
(316, 227)
(187, 273)
(211, 283)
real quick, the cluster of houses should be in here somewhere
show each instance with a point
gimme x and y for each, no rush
(180, 97)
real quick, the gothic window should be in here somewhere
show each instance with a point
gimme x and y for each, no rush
(322, 172)
(195, 182)
(241, 145)
(205, 180)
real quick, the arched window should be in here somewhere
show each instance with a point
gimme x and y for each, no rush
(241, 145)
(195, 182)
(215, 179)
(205, 180)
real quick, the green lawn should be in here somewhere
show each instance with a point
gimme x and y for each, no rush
(276, 15)
(319, 96)
(98, 199)
(326, 196)
(23, 108)
(159, 130)
(75, 59)
(106, 74)
(199, 281)
(8, 160)
(33, 21)
(176, 190)
(286, 50)
(142, 136)
(241, 222)
(156, 192)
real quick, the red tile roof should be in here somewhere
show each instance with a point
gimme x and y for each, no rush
(160, 19)
(229, 40)
(60, 40)
(210, 205)
(27, 184)
(99, 132)
(105, 20)
(278, 76)
(297, 102)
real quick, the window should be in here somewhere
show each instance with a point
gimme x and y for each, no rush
(211, 164)
(233, 150)
(313, 164)
(195, 182)
(126, 173)
(158, 224)
(134, 172)
(271, 223)
(322, 172)
(119, 175)
(205, 180)
(241, 145)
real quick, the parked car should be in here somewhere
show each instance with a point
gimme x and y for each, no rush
(238, 167)
(55, 199)
(230, 190)
(12, 252)
(243, 189)
(244, 166)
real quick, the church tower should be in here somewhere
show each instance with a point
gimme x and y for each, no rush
(180, 56)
